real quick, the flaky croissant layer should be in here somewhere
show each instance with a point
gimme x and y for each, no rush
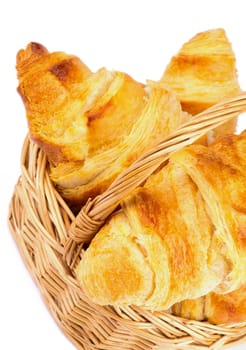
(180, 236)
(216, 308)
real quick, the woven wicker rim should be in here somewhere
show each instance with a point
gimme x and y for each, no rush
(50, 240)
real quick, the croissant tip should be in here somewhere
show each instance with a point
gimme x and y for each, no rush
(32, 51)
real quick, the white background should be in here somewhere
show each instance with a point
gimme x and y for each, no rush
(138, 37)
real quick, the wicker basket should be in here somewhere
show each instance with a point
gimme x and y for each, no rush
(51, 240)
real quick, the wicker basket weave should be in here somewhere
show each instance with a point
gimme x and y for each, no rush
(50, 239)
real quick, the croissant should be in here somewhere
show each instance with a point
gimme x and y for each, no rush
(216, 308)
(180, 236)
(203, 73)
(91, 125)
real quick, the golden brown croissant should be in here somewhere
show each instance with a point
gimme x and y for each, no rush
(180, 236)
(91, 125)
(216, 308)
(203, 73)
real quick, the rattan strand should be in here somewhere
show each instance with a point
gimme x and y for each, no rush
(40, 221)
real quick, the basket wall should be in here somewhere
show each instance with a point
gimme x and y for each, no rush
(40, 220)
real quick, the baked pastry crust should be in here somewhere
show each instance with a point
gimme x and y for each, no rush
(50, 87)
(160, 115)
(226, 308)
(203, 73)
(215, 308)
(91, 125)
(182, 233)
